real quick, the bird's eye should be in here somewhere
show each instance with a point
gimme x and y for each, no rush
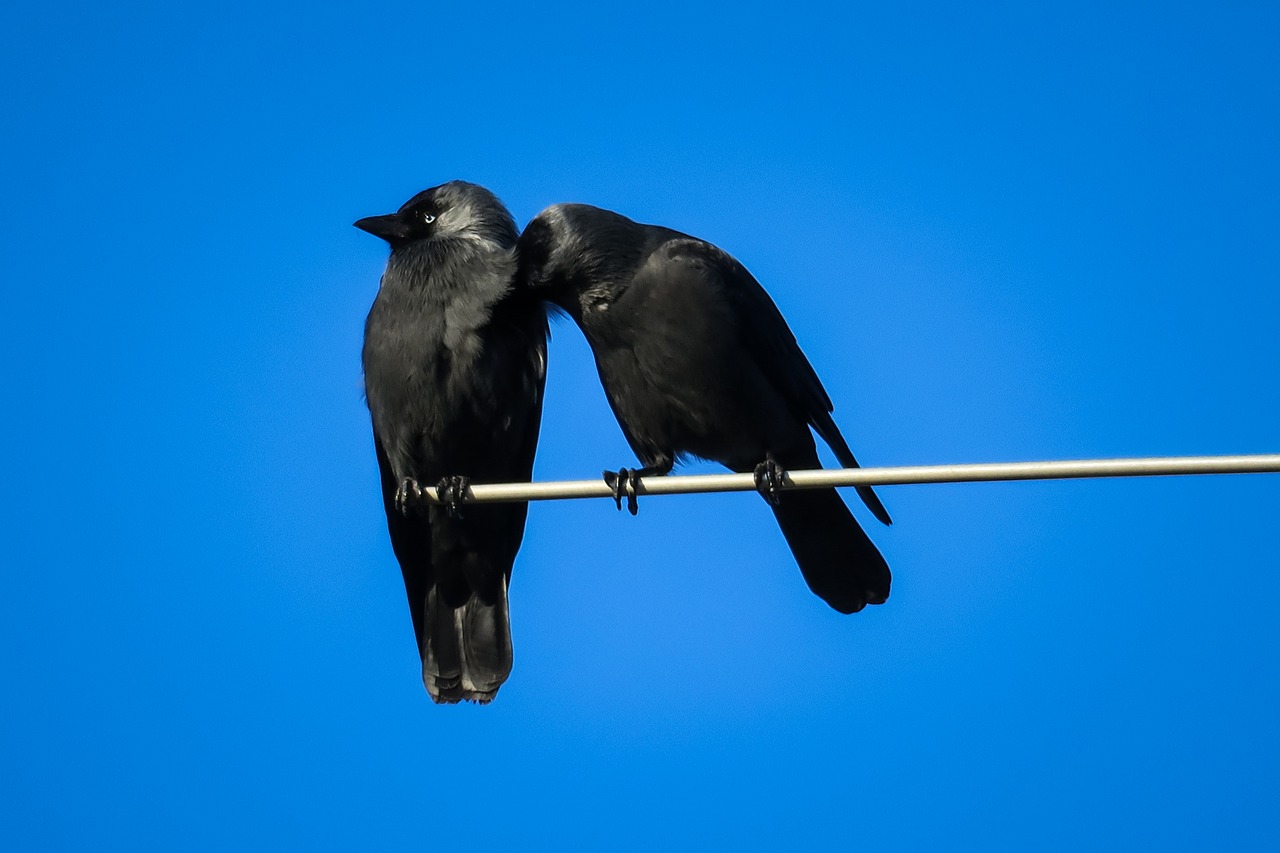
(428, 218)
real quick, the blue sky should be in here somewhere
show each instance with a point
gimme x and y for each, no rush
(999, 233)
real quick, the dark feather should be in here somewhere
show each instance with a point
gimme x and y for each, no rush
(696, 360)
(454, 363)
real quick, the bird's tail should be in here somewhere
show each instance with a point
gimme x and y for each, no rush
(466, 653)
(839, 562)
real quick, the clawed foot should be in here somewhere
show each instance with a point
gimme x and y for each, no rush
(769, 476)
(451, 491)
(624, 483)
(409, 497)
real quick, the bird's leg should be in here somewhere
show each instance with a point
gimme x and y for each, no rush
(625, 481)
(769, 477)
(451, 491)
(409, 498)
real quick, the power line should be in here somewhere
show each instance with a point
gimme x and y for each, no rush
(914, 474)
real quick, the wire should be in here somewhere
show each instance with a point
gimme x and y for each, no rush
(915, 474)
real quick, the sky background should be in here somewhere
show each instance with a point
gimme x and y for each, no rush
(999, 232)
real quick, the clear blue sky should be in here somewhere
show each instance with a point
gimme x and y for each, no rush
(1000, 233)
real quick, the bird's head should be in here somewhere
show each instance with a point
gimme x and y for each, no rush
(454, 210)
(576, 255)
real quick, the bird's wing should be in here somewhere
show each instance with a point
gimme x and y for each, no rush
(765, 335)
(533, 380)
(411, 542)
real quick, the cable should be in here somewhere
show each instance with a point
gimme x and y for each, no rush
(915, 474)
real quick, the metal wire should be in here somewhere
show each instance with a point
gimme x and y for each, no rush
(826, 478)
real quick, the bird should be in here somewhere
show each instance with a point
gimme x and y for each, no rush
(454, 362)
(697, 361)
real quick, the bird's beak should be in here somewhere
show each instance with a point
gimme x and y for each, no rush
(390, 227)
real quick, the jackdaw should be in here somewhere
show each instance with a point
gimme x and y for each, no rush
(454, 366)
(696, 360)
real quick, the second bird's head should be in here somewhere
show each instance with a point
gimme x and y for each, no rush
(454, 210)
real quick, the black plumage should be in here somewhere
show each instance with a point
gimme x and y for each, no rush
(696, 360)
(454, 366)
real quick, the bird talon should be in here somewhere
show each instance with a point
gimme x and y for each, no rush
(618, 482)
(408, 496)
(768, 478)
(623, 484)
(633, 479)
(451, 491)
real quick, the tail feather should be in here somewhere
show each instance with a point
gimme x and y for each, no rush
(467, 654)
(826, 428)
(838, 560)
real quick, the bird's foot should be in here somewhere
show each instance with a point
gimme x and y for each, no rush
(623, 482)
(409, 497)
(451, 491)
(769, 477)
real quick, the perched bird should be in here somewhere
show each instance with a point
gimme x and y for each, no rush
(696, 360)
(454, 366)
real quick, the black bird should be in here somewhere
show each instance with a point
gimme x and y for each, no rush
(454, 366)
(696, 360)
